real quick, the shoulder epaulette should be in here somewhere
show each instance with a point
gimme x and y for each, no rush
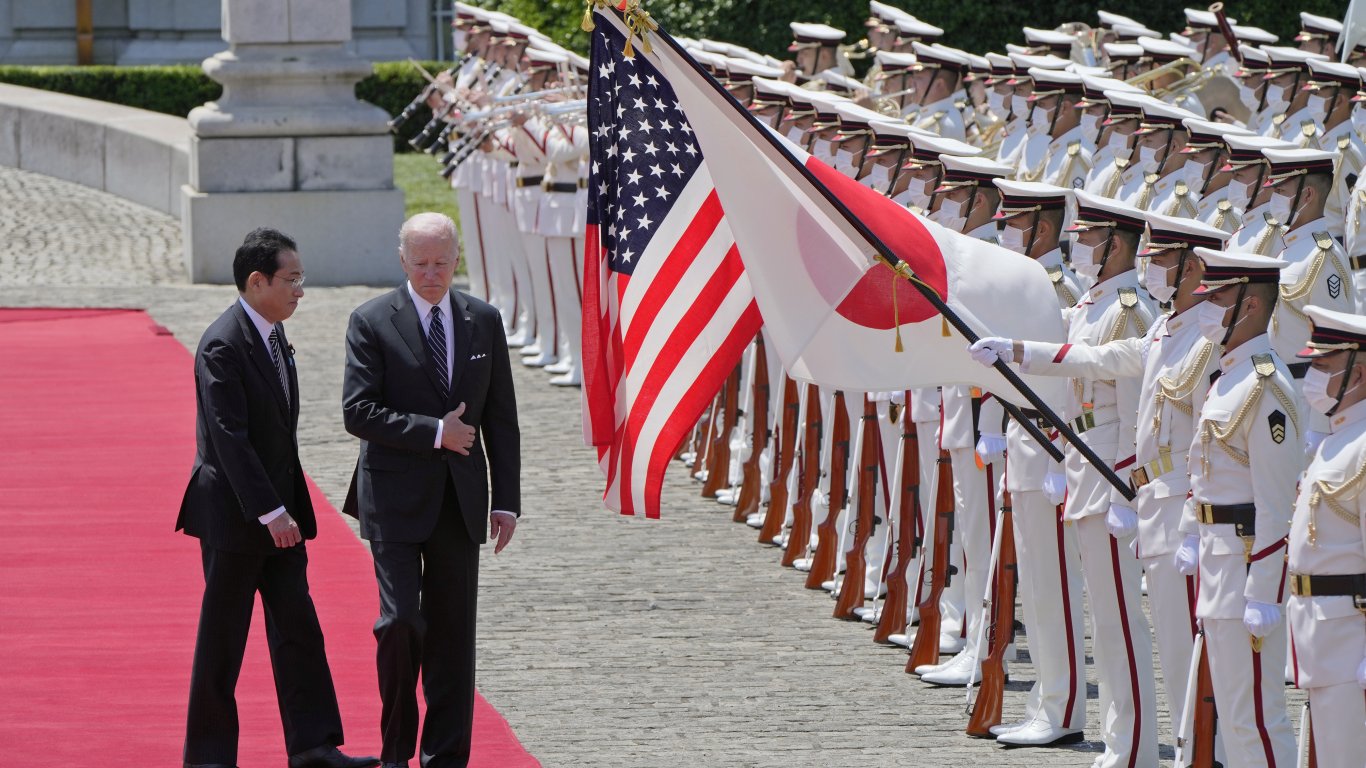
(1121, 164)
(1264, 364)
(1344, 142)
(1324, 241)
(1054, 273)
(960, 104)
(1151, 178)
(1308, 128)
(1128, 297)
(1224, 205)
(1073, 147)
(1270, 220)
(1181, 189)
(1278, 119)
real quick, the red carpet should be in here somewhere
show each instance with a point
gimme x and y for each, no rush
(99, 598)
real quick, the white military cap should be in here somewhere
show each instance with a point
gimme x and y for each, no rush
(1168, 232)
(1094, 88)
(889, 136)
(1020, 197)
(1255, 61)
(1133, 30)
(1250, 34)
(1209, 134)
(1052, 40)
(928, 148)
(1108, 20)
(1333, 331)
(1224, 268)
(1095, 211)
(1086, 69)
(770, 93)
(886, 12)
(805, 34)
(1334, 73)
(1201, 19)
(960, 171)
(1159, 115)
(839, 82)
(580, 63)
(546, 58)
(913, 27)
(1123, 51)
(1024, 61)
(895, 62)
(1312, 26)
(1127, 105)
(1052, 82)
(1288, 162)
(744, 69)
(1284, 59)
(1247, 150)
(1166, 50)
(938, 57)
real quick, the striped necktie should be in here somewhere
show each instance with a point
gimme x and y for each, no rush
(436, 349)
(277, 353)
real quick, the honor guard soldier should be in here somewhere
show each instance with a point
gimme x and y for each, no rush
(1105, 25)
(891, 147)
(815, 48)
(937, 90)
(1158, 142)
(1258, 230)
(1244, 461)
(1332, 86)
(1034, 154)
(769, 100)
(1173, 361)
(1318, 34)
(1011, 112)
(1053, 103)
(979, 121)
(1042, 42)
(1114, 129)
(1250, 77)
(1285, 97)
(1102, 411)
(1315, 270)
(1327, 605)
(1354, 239)
(1124, 60)
(912, 30)
(1206, 154)
(1047, 561)
(1205, 36)
(851, 141)
(924, 170)
(881, 25)
(892, 82)
(1180, 58)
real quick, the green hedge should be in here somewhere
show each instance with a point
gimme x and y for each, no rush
(175, 90)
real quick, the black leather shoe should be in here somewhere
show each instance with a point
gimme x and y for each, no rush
(403, 764)
(328, 756)
(209, 765)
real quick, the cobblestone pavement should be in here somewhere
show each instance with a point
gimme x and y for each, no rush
(605, 641)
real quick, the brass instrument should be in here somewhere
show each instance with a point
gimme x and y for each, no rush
(1210, 86)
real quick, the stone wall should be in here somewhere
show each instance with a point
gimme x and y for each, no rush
(131, 32)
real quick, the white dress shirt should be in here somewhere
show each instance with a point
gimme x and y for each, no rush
(264, 328)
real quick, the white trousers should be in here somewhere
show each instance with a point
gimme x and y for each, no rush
(503, 242)
(974, 524)
(542, 293)
(565, 255)
(1339, 725)
(1249, 693)
(1171, 600)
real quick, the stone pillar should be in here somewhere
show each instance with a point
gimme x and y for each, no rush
(288, 145)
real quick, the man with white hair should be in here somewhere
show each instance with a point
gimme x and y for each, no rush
(428, 390)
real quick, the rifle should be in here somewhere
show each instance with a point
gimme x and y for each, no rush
(925, 649)
(808, 477)
(1195, 738)
(893, 617)
(718, 455)
(785, 447)
(827, 535)
(855, 557)
(751, 482)
(986, 710)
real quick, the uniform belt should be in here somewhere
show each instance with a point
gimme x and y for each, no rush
(1346, 585)
(1036, 417)
(583, 183)
(1357, 262)
(1244, 516)
(529, 181)
(1088, 419)
(560, 187)
(1298, 370)
(1146, 473)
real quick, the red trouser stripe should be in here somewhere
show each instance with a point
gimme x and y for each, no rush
(1067, 622)
(1128, 649)
(1257, 709)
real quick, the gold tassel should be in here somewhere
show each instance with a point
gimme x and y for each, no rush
(896, 316)
(587, 24)
(945, 326)
(628, 51)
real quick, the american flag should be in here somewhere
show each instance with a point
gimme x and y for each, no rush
(668, 309)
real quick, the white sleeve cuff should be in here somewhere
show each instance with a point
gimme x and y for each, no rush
(439, 426)
(503, 512)
(270, 516)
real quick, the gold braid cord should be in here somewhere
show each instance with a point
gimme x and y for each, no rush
(1178, 391)
(1211, 433)
(1302, 289)
(1334, 495)
(637, 20)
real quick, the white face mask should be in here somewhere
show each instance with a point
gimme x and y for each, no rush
(1090, 127)
(1248, 96)
(1041, 117)
(1275, 99)
(1155, 280)
(1318, 106)
(1084, 259)
(1240, 194)
(1147, 159)
(1118, 144)
(880, 177)
(1210, 318)
(844, 162)
(1195, 175)
(1281, 208)
(1316, 391)
(1359, 118)
(1013, 238)
(952, 214)
(1018, 106)
(917, 193)
(821, 149)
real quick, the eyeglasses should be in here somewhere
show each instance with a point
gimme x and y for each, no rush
(294, 282)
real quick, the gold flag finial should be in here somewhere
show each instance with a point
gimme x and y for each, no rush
(637, 20)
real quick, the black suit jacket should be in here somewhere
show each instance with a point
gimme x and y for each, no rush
(246, 456)
(391, 401)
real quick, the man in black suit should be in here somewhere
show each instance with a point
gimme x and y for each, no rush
(248, 505)
(428, 390)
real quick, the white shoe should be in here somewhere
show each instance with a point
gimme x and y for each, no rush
(874, 615)
(951, 643)
(560, 367)
(700, 475)
(1004, 728)
(519, 339)
(802, 563)
(955, 673)
(727, 496)
(899, 638)
(571, 379)
(1039, 734)
(756, 520)
(538, 361)
(832, 587)
(530, 348)
(688, 458)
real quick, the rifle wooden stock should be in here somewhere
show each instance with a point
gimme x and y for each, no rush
(784, 457)
(856, 557)
(718, 453)
(986, 710)
(1202, 750)
(751, 483)
(925, 649)
(892, 620)
(808, 477)
(827, 535)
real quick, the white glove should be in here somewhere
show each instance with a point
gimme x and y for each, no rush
(819, 499)
(991, 447)
(899, 397)
(988, 349)
(1260, 618)
(1311, 442)
(1121, 521)
(1188, 555)
(1361, 674)
(1055, 487)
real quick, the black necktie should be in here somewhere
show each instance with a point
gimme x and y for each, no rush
(436, 350)
(277, 353)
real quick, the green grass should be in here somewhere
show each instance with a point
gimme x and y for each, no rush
(417, 174)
